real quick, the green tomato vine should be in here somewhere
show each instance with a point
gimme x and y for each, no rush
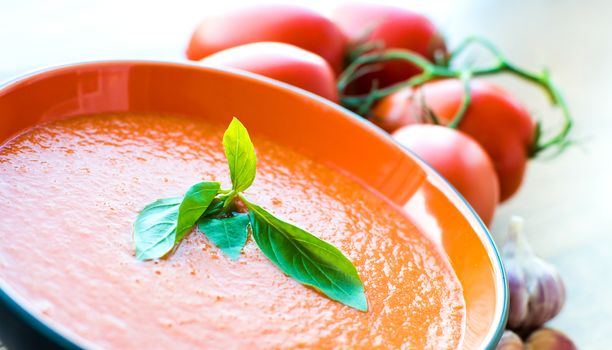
(444, 69)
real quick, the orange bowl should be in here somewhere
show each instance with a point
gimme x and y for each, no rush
(290, 116)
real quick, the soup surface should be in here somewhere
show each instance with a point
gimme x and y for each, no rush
(70, 191)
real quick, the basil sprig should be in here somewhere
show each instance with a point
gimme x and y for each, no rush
(220, 215)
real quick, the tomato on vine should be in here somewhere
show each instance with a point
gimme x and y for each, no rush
(373, 27)
(288, 24)
(283, 62)
(494, 118)
(459, 159)
(448, 95)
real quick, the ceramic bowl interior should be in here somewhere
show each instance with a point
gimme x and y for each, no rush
(293, 117)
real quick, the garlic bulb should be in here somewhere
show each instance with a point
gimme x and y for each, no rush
(510, 341)
(549, 339)
(537, 292)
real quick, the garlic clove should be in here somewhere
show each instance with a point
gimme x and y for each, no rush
(519, 294)
(549, 339)
(510, 341)
(537, 293)
(547, 297)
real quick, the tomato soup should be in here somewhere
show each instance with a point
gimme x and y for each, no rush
(70, 191)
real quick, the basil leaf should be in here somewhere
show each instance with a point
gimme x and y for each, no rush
(215, 208)
(155, 228)
(229, 234)
(306, 258)
(194, 204)
(163, 223)
(240, 155)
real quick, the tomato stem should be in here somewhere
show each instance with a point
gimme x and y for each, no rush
(428, 112)
(560, 140)
(364, 102)
(431, 71)
(465, 102)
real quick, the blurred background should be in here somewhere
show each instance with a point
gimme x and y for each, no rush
(565, 201)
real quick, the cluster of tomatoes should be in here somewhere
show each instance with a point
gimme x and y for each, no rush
(391, 66)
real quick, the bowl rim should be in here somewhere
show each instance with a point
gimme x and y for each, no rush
(65, 340)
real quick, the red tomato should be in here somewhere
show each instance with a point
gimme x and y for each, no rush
(459, 159)
(287, 24)
(394, 28)
(495, 119)
(283, 62)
